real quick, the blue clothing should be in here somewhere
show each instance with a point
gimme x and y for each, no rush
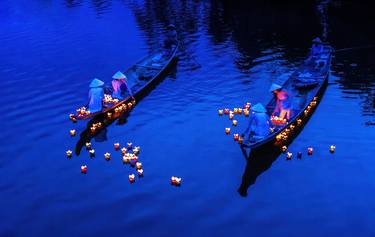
(96, 96)
(260, 124)
(316, 49)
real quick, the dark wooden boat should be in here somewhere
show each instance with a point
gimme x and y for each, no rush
(139, 77)
(306, 85)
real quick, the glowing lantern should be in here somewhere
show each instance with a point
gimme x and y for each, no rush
(117, 146)
(72, 118)
(109, 115)
(116, 110)
(299, 121)
(246, 112)
(272, 129)
(247, 106)
(226, 111)
(239, 110)
(69, 153)
(292, 127)
(137, 150)
(92, 129)
(240, 140)
(278, 137)
(284, 148)
(231, 115)
(107, 156)
(310, 151)
(235, 110)
(134, 158)
(138, 165)
(130, 105)
(227, 131)
(130, 145)
(140, 172)
(289, 155)
(123, 151)
(332, 148)
(83, 169)
(72, 132)
(299, 155)
(236, 136)
(126, 159)
(220, 112)
(176, 181)
(234, 122)
(88, 145)
(131, 178)
(92, 153)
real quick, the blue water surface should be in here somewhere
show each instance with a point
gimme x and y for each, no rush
(50, 51)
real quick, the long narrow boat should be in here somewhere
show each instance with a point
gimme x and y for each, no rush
(139, 77)
(307, 85)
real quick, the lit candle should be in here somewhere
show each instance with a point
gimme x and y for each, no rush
(236, 136)
(140, 172)
(107, 156)
(240, 140)
(235, 110)
(310, 151)
(92, 153)
(69, 153)
(131, 178)
(72, 132)
(130, 145)
(138, 165)
(88, 145)
(231, 115)
(246, 112)
(123, 151)
(226, 111)
(234, 122)
(83, 169)
(227, 131)
(220, 112)
(289, 155)
(332, 148)
(117, 146)
(284, 148)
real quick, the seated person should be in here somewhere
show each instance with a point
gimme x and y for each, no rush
(283, 102)
(96, 95)
(118, 82)
(259, 125)
(317, 47)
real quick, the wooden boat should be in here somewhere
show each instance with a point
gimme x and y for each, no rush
(139, 77)
(306, 85)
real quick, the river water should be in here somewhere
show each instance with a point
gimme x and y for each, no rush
(50, 51)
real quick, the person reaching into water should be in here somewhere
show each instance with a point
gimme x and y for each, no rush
(283, 102)
(259, 124)
(118, 82)
(96, 95)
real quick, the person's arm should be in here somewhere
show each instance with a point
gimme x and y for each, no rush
(277, 108)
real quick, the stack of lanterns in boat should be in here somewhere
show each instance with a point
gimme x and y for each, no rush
(231, 115)
(94, 127)
(109, 100)
(278, 121)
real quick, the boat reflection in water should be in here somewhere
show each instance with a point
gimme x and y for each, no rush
(100, 133)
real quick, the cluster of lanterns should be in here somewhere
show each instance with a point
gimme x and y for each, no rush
(109, 100)
(82, 112)
(299, 154)
(278, 121)
(231, 114)
(95, 127)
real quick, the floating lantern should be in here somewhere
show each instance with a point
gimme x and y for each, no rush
(220, 112)
(292, 127)
(72, 132)
(236, 136)
(137, 150)
(226, 111)
(130, 145)
(289, 155)
(92, 153)
(69, 153)
(92, 129)
(246, 112)
(117, 110)
(299, 155)
(235, 110)
(126, 159)
(130, 105)
(231, 115)
(227, 131)
(239, 110)
(83, 169)
(138, 165)
(140, 172)
(131, 178)
(107, 156)
(123, 151)
(284, 148)
(176, 181)
(278, 137)
(332, 148)
(134, 158)
(240, 140)
(72, 118)
(88, 145)
(278, 121)
(310, 151)
(247, 106)
(234, 122)
(299, 121)
(117, 146)
(272, 129)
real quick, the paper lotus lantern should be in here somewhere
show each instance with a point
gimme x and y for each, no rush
(69, 153)
(234, 122)
(239, 110)
(246, 112)
(310, 151)
(116, 146)
(235, 110)
(221, 112)
(83, 169)
(284, 148)
(227, 131)
(289, 155)
(72, 132)
(107, 156)
(130, 145)
(138, 165)
(176, 181)
(231, 115)
(126, 159)
(131, 178)
(88, 145)
(92, 153)
(247, 106)
(226, 111)
(332, 148)
(140, 172)
(123, 151)
(236, 136)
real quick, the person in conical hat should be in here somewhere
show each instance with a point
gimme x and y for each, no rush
(96, 95)
(283, 102)
(118, 84)
(259, 125)
(317, 47)
(171, 37)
